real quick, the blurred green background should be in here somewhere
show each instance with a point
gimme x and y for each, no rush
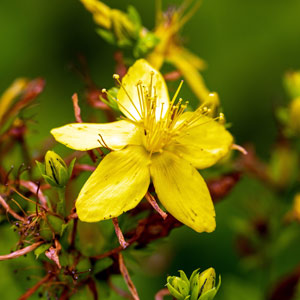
(248, 45)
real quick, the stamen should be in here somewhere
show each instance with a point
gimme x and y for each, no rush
(176, 93)
(239, 148)
(104, 91)
(102, 142)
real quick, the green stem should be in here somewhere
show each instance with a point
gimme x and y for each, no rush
(61, 205)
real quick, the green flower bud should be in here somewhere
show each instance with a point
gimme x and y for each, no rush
(207, 280)
(179, 287)
(207, 284)
(55, 171)
(56, 168)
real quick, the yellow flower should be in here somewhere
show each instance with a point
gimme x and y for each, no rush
(169, 49)
(7, 98)
(166, 38)
(156, 140)
(113, 20)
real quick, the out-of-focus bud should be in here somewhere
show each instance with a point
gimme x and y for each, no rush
(294, 114)
(146, 42)
(55, 171)
(283, 166)
(179, 287)
(117, 27)
(203, 285)
(294, 213)
(292, 83)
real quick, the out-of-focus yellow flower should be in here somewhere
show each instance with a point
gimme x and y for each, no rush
(292, 83)
(7, 98)
(117, 23)
(169, 49)
(164, 40)
(157, 140)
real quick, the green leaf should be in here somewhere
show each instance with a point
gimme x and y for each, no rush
(71, 166)
(135, 18)
(102, 264)
(41, 167)
(41, 249)
(107, 36)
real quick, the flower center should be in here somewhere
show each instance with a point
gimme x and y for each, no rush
(161, 120)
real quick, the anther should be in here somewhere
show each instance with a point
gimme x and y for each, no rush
(116, 76)
(221, 117)
(104, 91)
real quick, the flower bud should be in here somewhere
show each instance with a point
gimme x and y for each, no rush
(294, 114)
(56, 168)
(292, 84)
(207, 284)
(178, 287)
(55, 171)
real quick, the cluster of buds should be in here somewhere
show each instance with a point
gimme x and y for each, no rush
(200, 286)
(123, 29)
(55, 171)
(290, 116)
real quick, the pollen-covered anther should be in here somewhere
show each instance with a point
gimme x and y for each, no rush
(104, 91)
(116, 76)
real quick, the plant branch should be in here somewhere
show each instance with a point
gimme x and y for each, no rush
(36, 287)
(161, 294)
(127, 278)
(9, 210)
(21, 252)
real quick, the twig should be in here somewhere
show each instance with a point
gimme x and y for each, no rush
(21, 252)
(161, 294)
(119, 233)
(73, 236)
(34, 189)
(9, 210)
(79, 120)
(119, 291)
(127, 278)
(154, 204)
(239, 148)
(76, 108)
(36, 287)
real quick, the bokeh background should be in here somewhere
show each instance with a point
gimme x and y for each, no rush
(248, 46)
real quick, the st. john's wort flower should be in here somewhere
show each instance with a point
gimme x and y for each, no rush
(156, 140)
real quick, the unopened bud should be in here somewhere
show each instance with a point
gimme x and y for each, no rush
(55, 171)
(56, 168)
(207, 280)
(292, 83)
(178, 287)
(294, 114)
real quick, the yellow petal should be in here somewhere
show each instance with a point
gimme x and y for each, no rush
(10, 94)
(204, 143)
(118, 184)
(190, 73)
(182, 191)
(128, 96)
(86, 136)
(101, 12)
